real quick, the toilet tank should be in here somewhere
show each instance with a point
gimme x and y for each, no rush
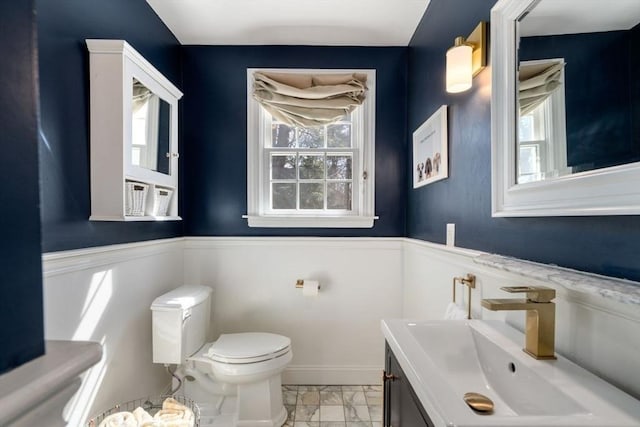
(180, 323)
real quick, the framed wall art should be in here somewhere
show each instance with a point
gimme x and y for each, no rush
(430, 158)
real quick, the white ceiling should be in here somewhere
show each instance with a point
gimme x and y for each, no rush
(292, 22)
(551, 17)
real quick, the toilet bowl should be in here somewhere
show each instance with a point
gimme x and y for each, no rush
(246, 365)
(253, 362)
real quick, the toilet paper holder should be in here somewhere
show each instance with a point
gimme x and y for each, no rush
(300, 284)
(470, 281)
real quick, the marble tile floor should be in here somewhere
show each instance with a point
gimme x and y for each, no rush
(333, 405)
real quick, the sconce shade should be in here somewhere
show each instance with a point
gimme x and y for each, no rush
(459, 67)
(466, 59)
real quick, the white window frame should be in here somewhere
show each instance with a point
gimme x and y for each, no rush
(363, 137)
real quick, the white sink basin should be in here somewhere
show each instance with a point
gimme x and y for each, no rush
(445, 359)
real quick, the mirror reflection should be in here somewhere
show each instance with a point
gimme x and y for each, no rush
(149, 130)
(578, 98)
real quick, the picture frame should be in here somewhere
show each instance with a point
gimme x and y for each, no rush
(430, 150)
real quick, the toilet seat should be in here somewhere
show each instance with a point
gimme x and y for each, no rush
(248, 347)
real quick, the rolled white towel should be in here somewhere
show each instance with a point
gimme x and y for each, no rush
(120, 419)
(175, 414)
(142, 416)
(455, 312)
(166, 420)
(153, 423)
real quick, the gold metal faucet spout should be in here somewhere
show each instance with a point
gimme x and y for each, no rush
(540, 321)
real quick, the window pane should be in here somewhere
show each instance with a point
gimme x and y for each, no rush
(282, 135)
(526, 128)
(311, 167)
(283, 196)
(529, 160)
(135, 156)
(339, 195)
(311, 137)
(532, 126)
(283, 166)
(339, 135)
(339, 167)
(311, 196)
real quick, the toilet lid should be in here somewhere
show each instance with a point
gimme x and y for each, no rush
(248, 347)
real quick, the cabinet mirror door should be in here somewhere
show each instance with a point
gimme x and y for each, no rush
(150, 130)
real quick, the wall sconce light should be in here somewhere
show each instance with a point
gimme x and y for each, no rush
(466, 59)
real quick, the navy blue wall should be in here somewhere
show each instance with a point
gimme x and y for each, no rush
(21, 320)
(605, 245)
(635, 85)
(215, 152)
(598, 111)
(64, 88)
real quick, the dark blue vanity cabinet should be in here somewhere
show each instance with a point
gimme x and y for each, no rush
(401, 405)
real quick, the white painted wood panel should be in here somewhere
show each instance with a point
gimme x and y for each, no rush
(103, 295)
(601, 334)
(336, 337)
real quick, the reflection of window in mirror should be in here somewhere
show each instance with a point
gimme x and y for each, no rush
(542, 143)
(144, 127)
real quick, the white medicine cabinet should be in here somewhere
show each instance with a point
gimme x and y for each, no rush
(134, 136)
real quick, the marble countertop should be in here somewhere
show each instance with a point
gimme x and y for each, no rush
(28, 385)
(620, 290)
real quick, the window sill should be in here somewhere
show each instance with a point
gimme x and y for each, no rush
(310, 221)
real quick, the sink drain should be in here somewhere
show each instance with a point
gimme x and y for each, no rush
(479, 402)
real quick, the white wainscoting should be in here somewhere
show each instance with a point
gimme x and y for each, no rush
(104, 294)
(336, 337)
(600, 334)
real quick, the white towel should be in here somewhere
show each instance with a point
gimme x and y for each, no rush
(120, 419)
(154, 423)
(142, 416)
(174, 414)
(455, 312)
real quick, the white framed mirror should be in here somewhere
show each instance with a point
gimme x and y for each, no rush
(565, 110)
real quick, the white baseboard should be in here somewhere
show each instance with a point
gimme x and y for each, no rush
(332, 375)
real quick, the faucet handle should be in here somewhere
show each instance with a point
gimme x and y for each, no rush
(539, 294)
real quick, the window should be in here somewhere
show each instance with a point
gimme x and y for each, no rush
(542, 142)
(311, 176)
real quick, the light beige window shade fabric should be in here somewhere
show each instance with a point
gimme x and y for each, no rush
(537, 83)
(309, 99)
(140, 95)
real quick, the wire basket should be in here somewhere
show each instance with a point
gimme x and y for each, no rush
(161, 200)
(136, 198)
(151, 404)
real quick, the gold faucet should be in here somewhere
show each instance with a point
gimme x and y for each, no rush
(541, 317)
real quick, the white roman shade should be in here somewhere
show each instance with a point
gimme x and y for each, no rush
(140, 95)
(309, 99)
(536, 83)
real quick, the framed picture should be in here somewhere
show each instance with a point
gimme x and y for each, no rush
(430, 159)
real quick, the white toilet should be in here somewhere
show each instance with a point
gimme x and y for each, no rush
(247, 366)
